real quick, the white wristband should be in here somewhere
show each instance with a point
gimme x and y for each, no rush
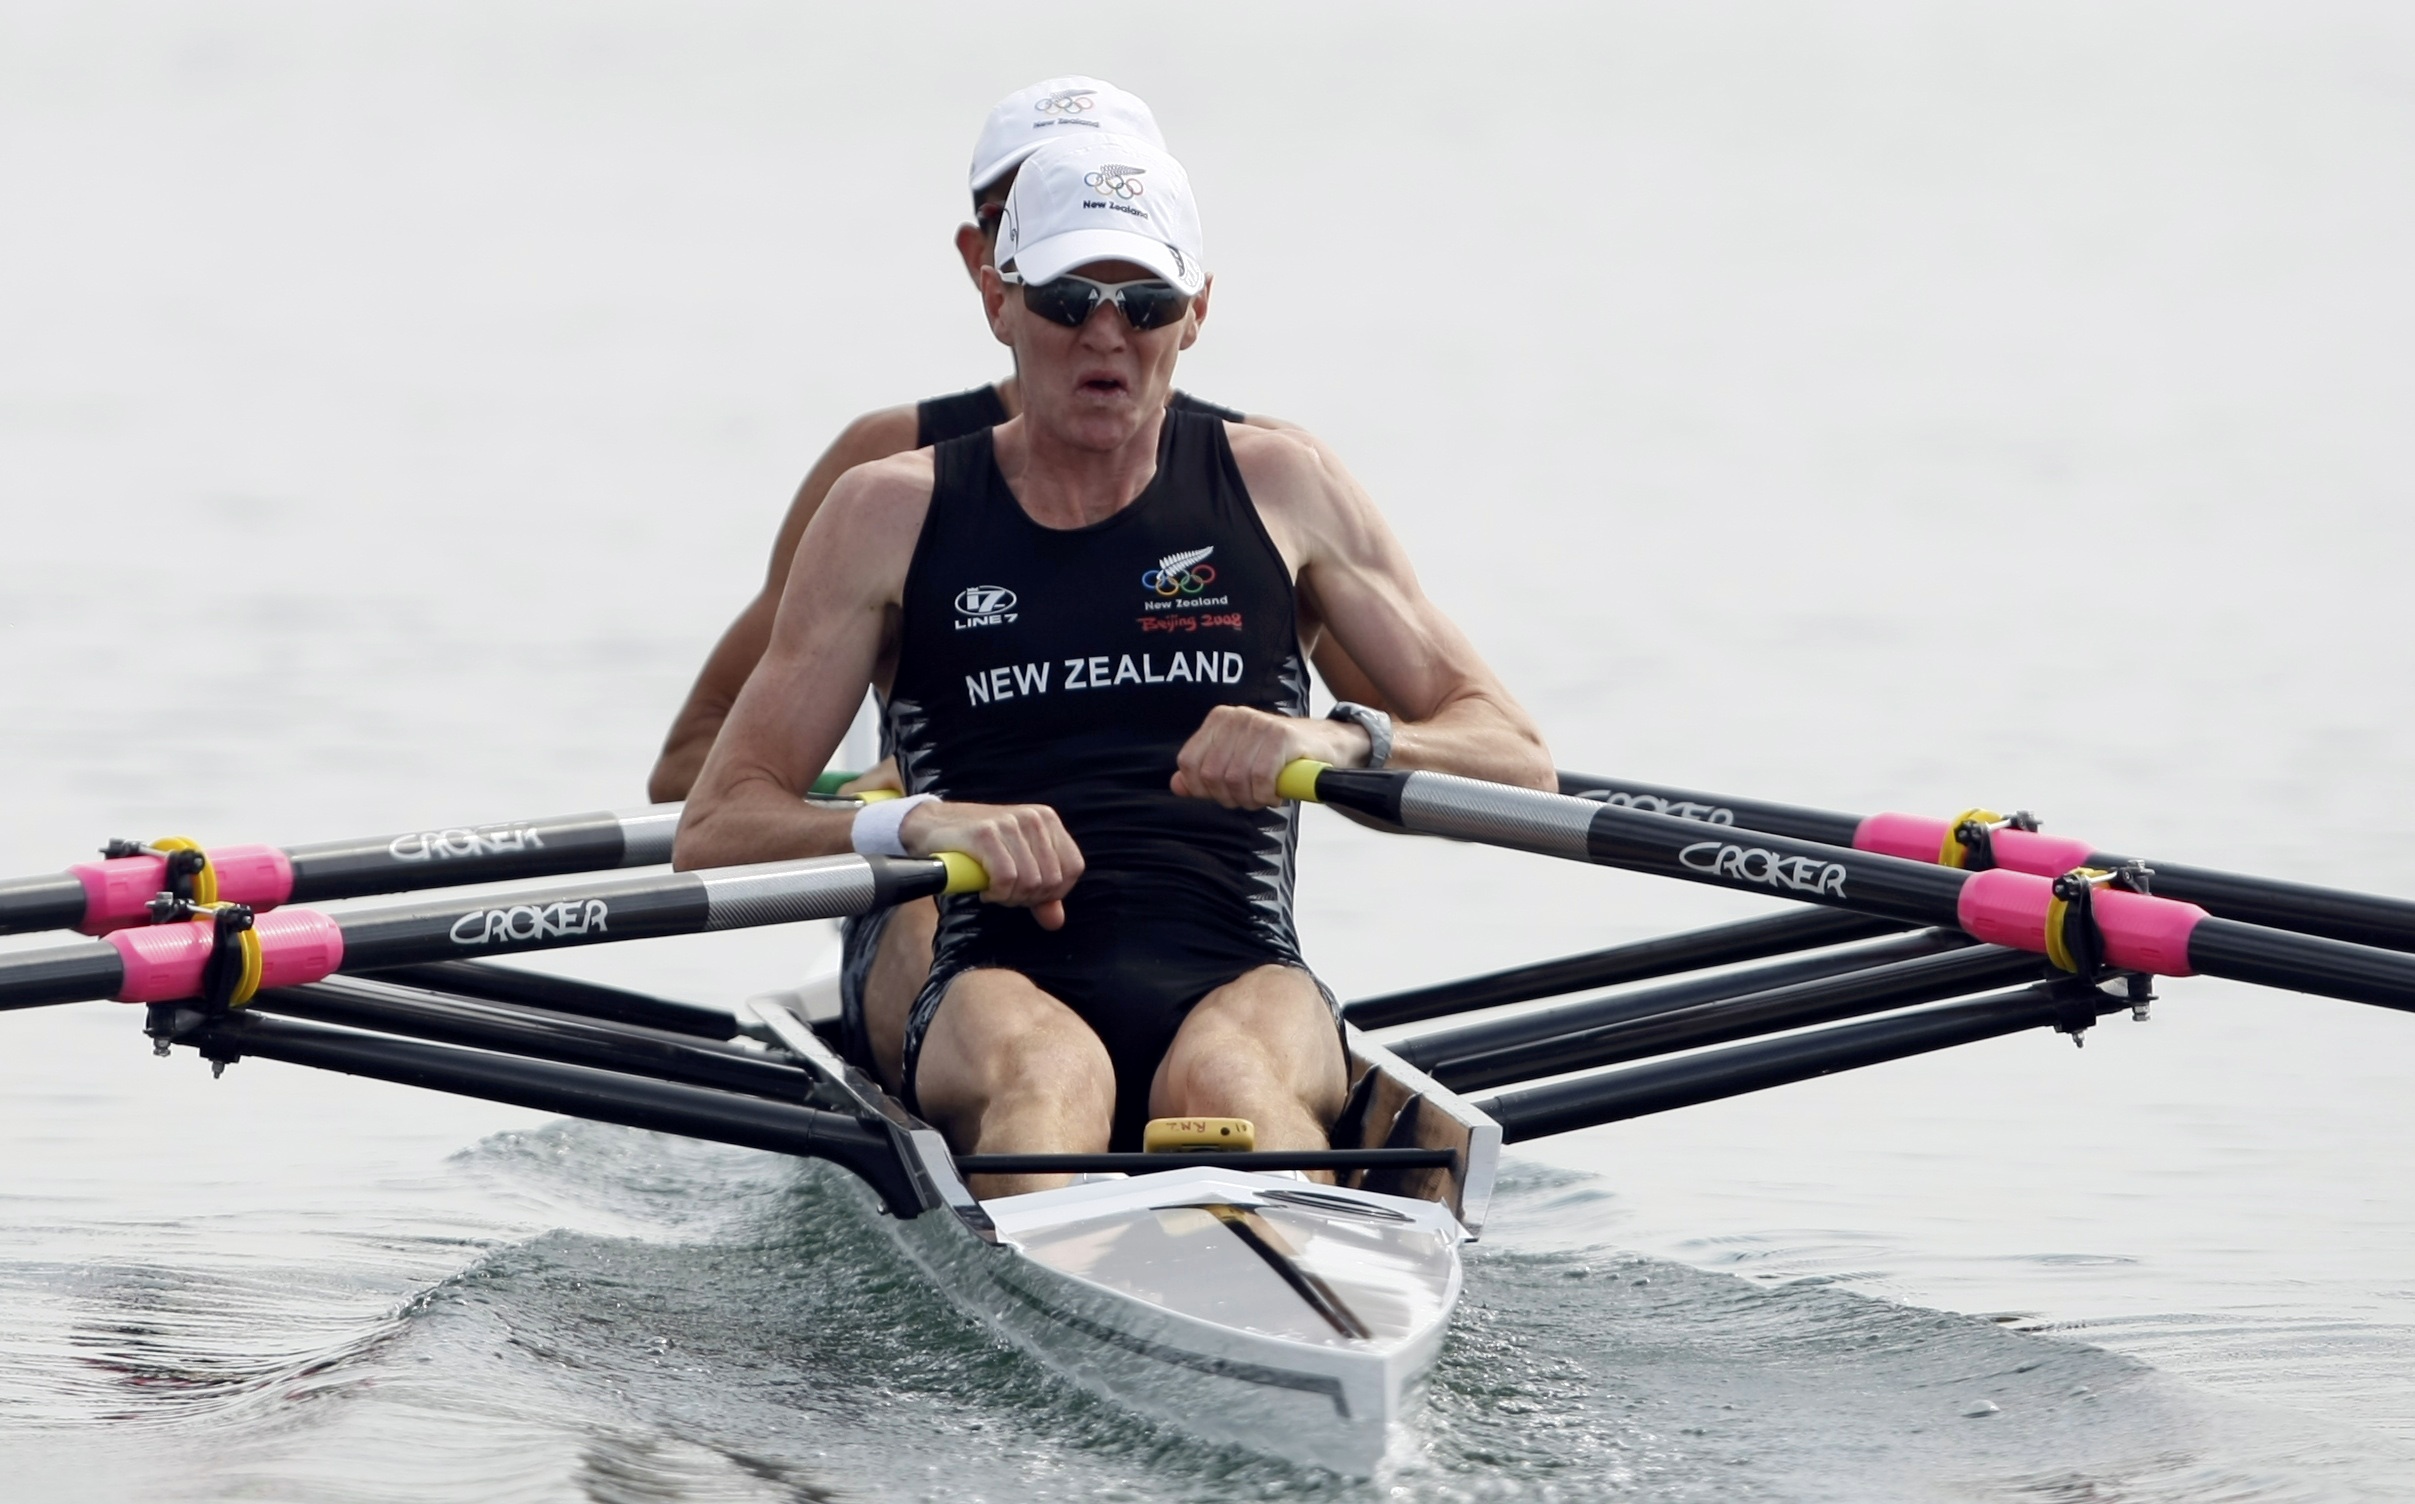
(876, 833)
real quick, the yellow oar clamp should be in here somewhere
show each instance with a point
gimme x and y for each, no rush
(1969, 837)
(2073, 942)
(190, 875)
(1298, 780)
(1966, 836)
(231, 977)
(1197, 1135)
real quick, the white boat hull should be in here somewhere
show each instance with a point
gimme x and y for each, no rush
(1294, 1319)
(1138, 1291)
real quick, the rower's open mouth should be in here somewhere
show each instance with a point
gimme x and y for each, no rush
(1104, 386)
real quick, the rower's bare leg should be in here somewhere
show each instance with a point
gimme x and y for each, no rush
(900, 965)
(1006, 1068)
(1263, 1047)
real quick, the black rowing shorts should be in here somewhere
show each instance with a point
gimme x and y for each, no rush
(1132, 978)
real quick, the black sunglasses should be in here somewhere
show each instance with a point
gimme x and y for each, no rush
(1148, 303)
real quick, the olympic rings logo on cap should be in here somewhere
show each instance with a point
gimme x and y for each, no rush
(1071, 102)
(1124, 182)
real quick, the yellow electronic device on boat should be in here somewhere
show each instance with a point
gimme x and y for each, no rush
(1192, 1135)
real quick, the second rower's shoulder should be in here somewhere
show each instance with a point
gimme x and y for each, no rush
(878, 434)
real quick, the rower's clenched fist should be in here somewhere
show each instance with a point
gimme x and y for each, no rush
(1031, 861)
(1236, 754)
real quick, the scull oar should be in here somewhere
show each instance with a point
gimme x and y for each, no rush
(228, 957)
(2075, 920)
(117, 891)
(1981, 838)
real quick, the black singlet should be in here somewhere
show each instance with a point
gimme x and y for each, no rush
(936, 420)
(939, 419)
(1067, 667)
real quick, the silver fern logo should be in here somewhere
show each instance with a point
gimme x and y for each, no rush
(1186, 573)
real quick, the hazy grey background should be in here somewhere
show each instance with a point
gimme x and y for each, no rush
(1866, 405)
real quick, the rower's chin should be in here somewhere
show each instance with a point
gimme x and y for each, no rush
(1102, 421)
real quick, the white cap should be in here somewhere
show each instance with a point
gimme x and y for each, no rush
(1051, 109)
(1102, 198)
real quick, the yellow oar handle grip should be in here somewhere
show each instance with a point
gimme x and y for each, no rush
(874, 796)
(1298, 780)
(965, 875)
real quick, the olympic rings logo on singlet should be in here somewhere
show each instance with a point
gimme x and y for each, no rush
(1115, 178)
(1181, 574)
(1071, 102)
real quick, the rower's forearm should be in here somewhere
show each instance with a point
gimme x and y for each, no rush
(683, 755)
(757, 821)
(693, 730)
(1477, 737)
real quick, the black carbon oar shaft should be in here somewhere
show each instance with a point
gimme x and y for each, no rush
(2001, 906)
(97, 897)
(2335, 913)
(167, 962)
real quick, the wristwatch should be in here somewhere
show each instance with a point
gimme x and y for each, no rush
(1378, 727)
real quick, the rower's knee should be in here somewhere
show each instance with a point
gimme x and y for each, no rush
(1262, 1047)
(1055, 1055)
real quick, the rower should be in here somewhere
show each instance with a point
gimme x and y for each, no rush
(886, 954)
(1107, 745)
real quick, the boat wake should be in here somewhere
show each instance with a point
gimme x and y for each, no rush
(706, 1323)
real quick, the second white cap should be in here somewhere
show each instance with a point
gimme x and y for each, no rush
(1050, 110)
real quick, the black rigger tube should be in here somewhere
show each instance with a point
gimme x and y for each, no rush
(535, 989)
(1542, 1025)
(576, 1090)
(1662, 1085)
(2139, 933)
(2359, 918)
(1641, 960)
(360, 1003)
(1466, 1063)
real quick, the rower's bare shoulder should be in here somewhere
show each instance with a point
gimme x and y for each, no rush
(1279, 461)
(878, 501)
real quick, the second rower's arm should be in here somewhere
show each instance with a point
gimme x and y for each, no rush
(835, 627)
(873, 436)
(1451, 713)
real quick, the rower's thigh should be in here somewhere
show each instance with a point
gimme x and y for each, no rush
(1266, 1030)
(900, 964)
(997, 1033)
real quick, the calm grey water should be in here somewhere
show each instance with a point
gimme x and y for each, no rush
(1866, 405)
